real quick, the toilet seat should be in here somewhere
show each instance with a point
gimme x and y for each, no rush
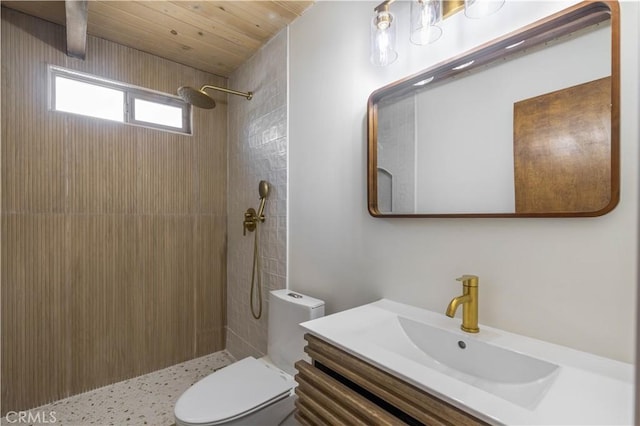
(233, 392)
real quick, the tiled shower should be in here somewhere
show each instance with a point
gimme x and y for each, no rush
(113, 236)
(257, 151)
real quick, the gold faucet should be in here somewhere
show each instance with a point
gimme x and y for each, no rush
(469, 302)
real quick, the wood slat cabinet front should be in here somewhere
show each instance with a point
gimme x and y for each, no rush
(341, 389)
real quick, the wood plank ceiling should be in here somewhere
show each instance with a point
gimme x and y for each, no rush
(213, 36)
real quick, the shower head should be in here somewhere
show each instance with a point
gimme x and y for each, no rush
(200, 99)
(196, 97)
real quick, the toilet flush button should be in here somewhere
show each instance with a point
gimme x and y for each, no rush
(295, 296)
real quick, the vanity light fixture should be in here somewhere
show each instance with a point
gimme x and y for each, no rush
(425, 19)
(383, 36)
(511, 46)
(466, 64)
(476, 9)
(425, 16)
(425, 81)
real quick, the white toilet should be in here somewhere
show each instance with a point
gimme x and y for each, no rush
(255, 391)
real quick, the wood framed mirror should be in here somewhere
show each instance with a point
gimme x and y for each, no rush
(526, 125)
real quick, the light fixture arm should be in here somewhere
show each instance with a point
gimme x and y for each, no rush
(247, 95)
(449, 7)
(384, 6)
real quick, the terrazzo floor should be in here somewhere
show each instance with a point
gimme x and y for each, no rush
(143, 400)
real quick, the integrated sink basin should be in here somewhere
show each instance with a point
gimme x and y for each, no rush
(508, 374)
(475, 358)
(500, 377)
(505, 373)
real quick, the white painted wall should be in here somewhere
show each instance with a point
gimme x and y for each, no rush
(568, 281)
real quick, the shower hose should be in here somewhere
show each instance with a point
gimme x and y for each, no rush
(255, 277)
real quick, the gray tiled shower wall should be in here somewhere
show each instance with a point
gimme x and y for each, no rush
(257, 150)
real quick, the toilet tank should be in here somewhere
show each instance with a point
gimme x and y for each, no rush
(287, 309)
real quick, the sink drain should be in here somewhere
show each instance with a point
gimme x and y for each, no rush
(462, 344)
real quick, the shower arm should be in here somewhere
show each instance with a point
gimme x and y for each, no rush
(247, 95)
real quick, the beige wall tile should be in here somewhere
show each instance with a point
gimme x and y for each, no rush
(113, 236)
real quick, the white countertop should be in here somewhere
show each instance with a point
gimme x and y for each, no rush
(587, 390)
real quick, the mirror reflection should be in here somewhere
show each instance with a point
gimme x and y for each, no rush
(526, 134)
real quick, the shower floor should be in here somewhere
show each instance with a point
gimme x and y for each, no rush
(143, 400)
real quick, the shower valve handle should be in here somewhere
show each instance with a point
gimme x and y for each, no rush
(250, 221)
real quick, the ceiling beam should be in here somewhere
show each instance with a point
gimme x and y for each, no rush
(76, 15)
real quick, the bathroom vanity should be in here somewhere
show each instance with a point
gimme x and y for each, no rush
(390, 363)
(340, 388)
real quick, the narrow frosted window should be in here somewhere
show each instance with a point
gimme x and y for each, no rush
(89, 99)
(153, 112)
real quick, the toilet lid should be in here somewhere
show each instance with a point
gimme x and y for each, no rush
(233, 391)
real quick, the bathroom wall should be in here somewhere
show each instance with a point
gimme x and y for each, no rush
(563, 280)
(113, 236)
(257, 151)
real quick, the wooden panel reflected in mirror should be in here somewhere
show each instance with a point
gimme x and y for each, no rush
(562, 151)
(553, 80)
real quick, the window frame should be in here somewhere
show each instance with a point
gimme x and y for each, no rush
(130, 94)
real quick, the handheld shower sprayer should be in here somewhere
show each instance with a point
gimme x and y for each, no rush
(251, 217)
(263, 191)
(251, 220)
